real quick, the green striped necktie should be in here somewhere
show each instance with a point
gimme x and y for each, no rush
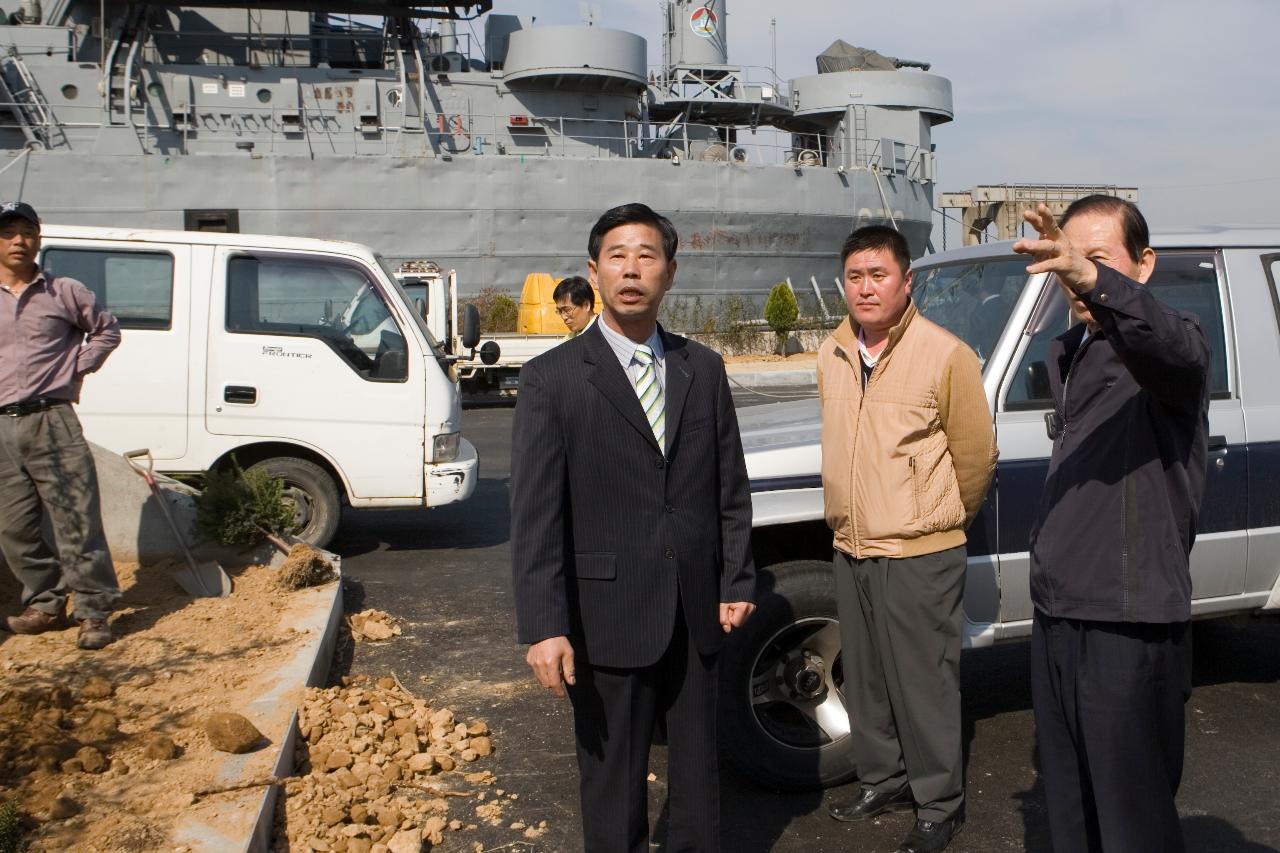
(649, 390)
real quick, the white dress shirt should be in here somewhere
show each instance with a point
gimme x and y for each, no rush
(625, 349)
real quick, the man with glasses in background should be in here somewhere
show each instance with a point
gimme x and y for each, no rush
(575, 303)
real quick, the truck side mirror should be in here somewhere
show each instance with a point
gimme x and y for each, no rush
(489, 352)
(471, 327)
(420, 305)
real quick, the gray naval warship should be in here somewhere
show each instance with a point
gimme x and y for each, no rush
(449, 131)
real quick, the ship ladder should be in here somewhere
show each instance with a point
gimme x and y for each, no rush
(860, 135)
(25, 100)
(120, 88)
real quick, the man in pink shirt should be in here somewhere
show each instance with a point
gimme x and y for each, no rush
(52, 333)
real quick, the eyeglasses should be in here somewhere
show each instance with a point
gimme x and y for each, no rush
(568, 311)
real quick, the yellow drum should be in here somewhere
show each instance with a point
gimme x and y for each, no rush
(538, 309)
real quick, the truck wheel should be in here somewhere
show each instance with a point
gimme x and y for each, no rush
(313, 494)
(782, 714)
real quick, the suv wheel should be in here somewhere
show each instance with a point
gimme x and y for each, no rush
(782, 712)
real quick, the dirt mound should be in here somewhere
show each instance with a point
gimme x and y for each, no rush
(305, 566)
(102, 750)
(377, 765)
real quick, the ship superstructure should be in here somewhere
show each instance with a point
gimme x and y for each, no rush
(455, 132)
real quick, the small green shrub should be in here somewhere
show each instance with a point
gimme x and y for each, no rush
(236, 506)
(502, 318)
(498, 311)
(11, 829)
(781, 312)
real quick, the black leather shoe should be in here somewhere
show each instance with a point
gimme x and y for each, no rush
(872, 803)
(931, 836)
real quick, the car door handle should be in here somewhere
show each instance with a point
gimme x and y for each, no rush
(1218, 451)
(1053, 425)
(246, 394)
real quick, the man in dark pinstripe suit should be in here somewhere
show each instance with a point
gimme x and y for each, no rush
(630, 540)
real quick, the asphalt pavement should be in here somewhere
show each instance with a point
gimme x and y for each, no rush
(446, 574)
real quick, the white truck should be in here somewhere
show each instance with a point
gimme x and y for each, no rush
(302, 357)
(502, 354)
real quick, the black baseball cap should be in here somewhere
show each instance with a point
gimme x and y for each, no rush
(20, 209)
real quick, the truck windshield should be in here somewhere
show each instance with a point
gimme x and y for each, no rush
(971, 299)
(436, 349)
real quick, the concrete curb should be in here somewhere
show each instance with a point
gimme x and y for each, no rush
(749, 379)
(316, 673)
(309, 667)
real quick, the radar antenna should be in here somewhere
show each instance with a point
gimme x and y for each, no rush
(590, 14)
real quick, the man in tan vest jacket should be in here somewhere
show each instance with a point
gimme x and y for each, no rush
(908, 451)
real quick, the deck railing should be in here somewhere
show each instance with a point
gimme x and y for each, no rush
(264, 128)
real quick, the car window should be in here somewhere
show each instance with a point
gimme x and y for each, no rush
(1187, 281)
(1028, 388)
(972, 300)
(136, 287)
(332, 301)
(411, 297)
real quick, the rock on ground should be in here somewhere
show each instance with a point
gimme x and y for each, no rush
(373, 625)
(229, 732)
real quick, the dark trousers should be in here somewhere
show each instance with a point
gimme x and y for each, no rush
(615, 711)
(900, 623)
(46, 469)
(1109, 701)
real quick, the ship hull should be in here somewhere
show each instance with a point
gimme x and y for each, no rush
(743, 227)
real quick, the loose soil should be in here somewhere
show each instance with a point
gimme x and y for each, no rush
(305, 566)
(383, 771)
(104, 751)
(107, 751)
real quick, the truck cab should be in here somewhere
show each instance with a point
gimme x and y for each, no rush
(782, 673)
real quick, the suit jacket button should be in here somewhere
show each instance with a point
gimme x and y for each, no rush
(659, 463)
(669, 553)
(669, 508)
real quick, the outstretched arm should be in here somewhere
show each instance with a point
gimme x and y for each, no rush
(1166, 351)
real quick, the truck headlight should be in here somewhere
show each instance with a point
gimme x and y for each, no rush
(444, 448)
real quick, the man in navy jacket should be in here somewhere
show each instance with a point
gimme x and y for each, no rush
(1110, 579)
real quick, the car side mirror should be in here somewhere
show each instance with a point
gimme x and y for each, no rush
(471, 327)
(489, 352)
(1038, 381)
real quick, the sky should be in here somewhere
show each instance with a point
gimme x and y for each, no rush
(1180, 98)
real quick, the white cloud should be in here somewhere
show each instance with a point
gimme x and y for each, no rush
(1177, 97)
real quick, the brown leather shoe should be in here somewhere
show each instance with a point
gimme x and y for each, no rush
(94, 634)
(32, 621)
